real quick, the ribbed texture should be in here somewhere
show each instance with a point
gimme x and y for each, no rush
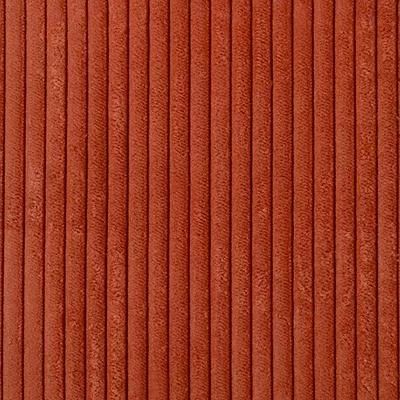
(199, 199)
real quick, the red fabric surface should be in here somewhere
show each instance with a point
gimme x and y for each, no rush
(199, 199)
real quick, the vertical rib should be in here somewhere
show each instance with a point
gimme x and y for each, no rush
(241, 200)
(324, 181)
(179, 201)
(97, 201)
(55, 199)
(387, 200)
(2, 187)
(303, 200)
(262, 204)
(282, 201)
(398, 179)
(117, 200)
(35, 183)
(200, 200)
(220, 201)
(366, 200)
(158, 200)
(345, 195)
(138, 199)
(14, 198)
(76, 205)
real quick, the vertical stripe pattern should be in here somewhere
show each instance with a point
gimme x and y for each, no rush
(199, 199)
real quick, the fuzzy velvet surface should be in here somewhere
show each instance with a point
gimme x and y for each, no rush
(199, 199)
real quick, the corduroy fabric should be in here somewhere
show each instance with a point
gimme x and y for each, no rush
(199, 199)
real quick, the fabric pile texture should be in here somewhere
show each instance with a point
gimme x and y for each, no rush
(199, 199)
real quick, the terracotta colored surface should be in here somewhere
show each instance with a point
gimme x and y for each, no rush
(199, 199)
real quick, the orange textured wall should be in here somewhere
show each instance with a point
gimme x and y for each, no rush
(199, 199)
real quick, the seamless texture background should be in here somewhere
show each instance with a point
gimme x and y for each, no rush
(199, 199)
